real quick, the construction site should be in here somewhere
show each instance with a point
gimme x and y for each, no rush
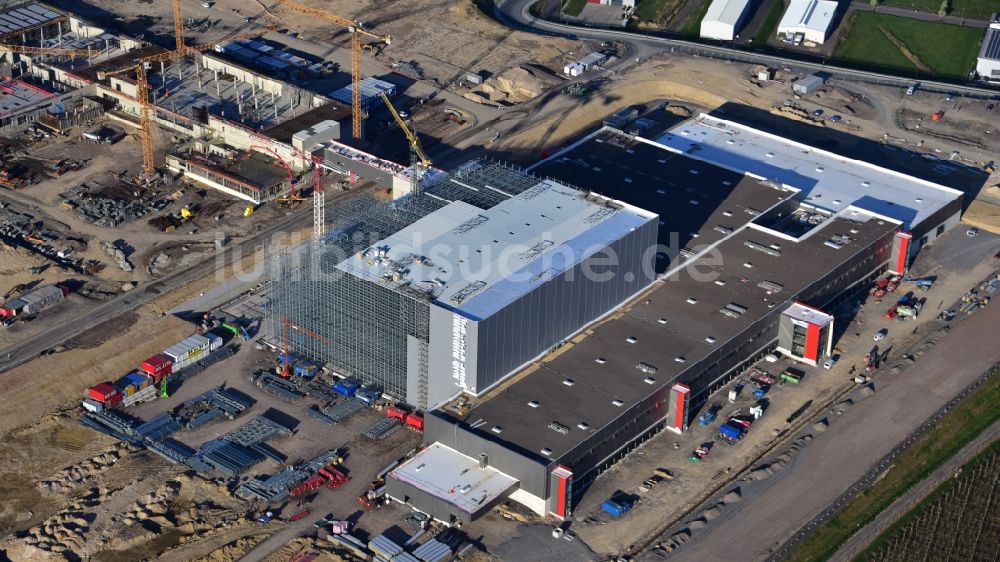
(392, 281)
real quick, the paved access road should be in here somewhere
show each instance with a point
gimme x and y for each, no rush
(515, 13)
(774, 509)
(861, 539)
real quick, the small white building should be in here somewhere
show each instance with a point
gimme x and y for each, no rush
(724, 19)
(988, 63)
(810, 18)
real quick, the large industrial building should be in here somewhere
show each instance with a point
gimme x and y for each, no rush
(452, 289)
(759, 238)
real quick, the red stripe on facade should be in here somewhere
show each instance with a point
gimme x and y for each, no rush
(811, 350)
(679, 419)
(904, 251)
(561, 504)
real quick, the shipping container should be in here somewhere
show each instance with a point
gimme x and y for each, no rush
(415, 421)
(193, 347)
(92, 405)
(102, 392)
(157, 367)
(396, 413)
(347, 387)
(214, 341)
(139, 380)
(731, 431)
(616, 508)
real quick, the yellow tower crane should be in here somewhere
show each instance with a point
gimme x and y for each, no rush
(44, 50)
(178, 27)
(356, 32)
(421, 162)
(142, 92)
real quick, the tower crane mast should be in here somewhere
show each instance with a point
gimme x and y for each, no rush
(356, 32)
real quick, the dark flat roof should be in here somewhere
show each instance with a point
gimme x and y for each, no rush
(333, 111)
(675, 325)
(692, 197)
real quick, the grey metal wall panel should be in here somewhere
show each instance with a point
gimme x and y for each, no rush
(562, 305)
(531, 472)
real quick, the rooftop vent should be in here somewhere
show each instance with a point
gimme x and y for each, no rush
(695, 172)
(546, 451)
(661, 191)
(559, 428)
(747, 264)
(568, 382)
(710, 339)
(693, 201)
(680, 359)
(727, 213)
(762, 248)
(631, 339)
(497, 429)
(687, 253)
(733, 310)
(601, 360)
(617, 402)
(723, 229)
(692, 300)
(583, 425)
(533, 404)
(770, 286)
(649, 380)
(720, 282)
(646, 368)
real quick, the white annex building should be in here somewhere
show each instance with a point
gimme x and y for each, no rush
(724, 19)
(811, 18)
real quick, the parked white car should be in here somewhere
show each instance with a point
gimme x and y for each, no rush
(881, 334)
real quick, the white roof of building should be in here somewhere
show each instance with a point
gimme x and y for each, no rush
(477, 261)
(454, 478)
(808, 314)
(726, 11)
(815, 15)
(827, 180)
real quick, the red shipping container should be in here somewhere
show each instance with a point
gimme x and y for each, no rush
(103, 392)
(157, 367)
(416, 421)
(395, 413)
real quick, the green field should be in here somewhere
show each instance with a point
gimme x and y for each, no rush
(657, 12)
(952, 432)
(952, 515)
(692, 27)
(977, 9)
(769, 28)
(573, 7)
(948, 51)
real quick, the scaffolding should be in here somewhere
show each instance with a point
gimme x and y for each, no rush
(376, 333)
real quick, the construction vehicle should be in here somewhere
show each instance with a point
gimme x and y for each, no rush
(698, 454)
(186, 214)
(708, 417)
(663, 473)
(248, 212)
(15, 289)
(418, 157)
(285, 358)
(356, 30)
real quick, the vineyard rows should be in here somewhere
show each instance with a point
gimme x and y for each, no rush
(962, 523)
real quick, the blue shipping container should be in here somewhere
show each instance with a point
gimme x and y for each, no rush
(136, 379)
(614, 508)
(346, 387)
(732, 432)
